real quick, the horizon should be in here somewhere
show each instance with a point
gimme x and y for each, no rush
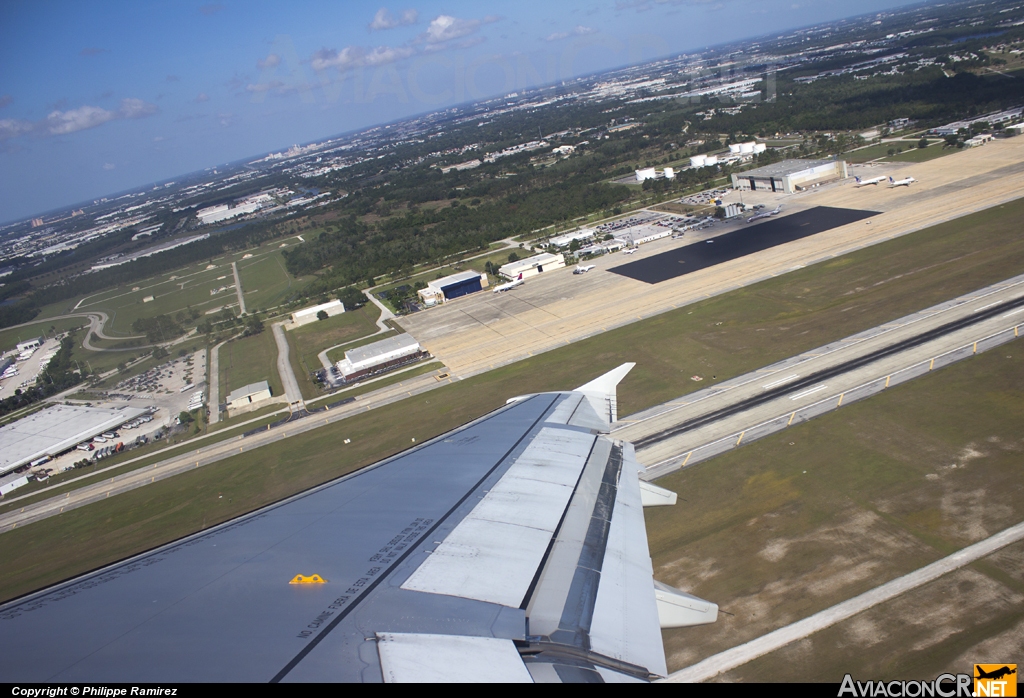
(59, 149)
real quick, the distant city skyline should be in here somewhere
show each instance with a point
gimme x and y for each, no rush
(101, 98)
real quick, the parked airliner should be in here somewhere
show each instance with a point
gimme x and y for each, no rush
(765, 214)
(873, 180)
(901, 182)
(518, 281)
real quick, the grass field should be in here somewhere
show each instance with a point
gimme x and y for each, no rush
(911, 153)
(10, 338)
(819, 513)
(724, 336)
(249, 360)
(313, 338)
(265, 281)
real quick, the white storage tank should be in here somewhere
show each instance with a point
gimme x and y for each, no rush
(670, 173)
(734, 148)
(698, 161)
(711, 160)
(759, 147)
(646, 173)
(747, 148)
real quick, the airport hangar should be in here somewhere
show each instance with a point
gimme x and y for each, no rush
(379, 357)
(452, 287)
(790, 176)
(56, 430)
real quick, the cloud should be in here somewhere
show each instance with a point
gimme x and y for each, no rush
(157, 139)
(445, 28)
(211, 9)
(357, 56)
(10, 128)
(579, 30)
(5, 101)
(60, 122)
(271, 61)
(109, 166)
(264, 87)
(385, 20)
(92, 51)
(172, 78)
(201, 97)
(132, 108)
(227, 119)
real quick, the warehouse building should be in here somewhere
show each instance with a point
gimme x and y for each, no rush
(451, 287)
(379, 357)
(532, 265)
(790, 176)
(30, 344)
(55, 430)
(247, 396)
(308, 315)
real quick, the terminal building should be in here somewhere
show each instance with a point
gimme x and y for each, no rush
(308, 315)
(56, 430)
(532, 266)
(790, 176)
(248, 395)
(451, 287)
(379, 357)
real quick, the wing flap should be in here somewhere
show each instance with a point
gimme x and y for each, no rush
(429, 658)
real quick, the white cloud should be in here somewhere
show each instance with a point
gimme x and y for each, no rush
(201, 97)
(385, 20)
(132, 108)
(579, 30)
(109, 166)
(9, 128)
(446, 28)
(356, 56)
(271, 61)
(62, 122)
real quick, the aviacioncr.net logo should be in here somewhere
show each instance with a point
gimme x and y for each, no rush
(943, 686)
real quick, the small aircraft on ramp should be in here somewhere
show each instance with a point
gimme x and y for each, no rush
(873, 180)
(582, 270)
(901, 182)
(518, 281)
(765, 214)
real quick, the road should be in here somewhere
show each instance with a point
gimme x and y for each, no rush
(284, 368)
(238, 288)
(741, 654)
(671, 435)
(215, 382)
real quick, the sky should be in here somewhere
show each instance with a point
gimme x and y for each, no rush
(100, 97)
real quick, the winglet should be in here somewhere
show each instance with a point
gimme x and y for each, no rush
(601, 394)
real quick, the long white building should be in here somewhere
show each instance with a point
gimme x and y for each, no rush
(532, 266)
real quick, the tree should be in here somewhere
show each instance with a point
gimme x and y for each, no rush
(923, 143)
(575, 245)
(322, 315)
(351, 297)
(184, 418)
(513, 257)
(159, 353)
(253, 326)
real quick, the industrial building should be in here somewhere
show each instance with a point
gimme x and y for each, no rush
(379, 357)
(55, 430)
(567, 239)
(532, 266)
(30, 344)
(248, 395)
(308, 315)
(790, 176)
(453, 286)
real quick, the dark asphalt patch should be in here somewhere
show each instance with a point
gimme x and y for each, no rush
(752, 238)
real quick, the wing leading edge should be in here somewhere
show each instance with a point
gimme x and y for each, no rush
(512, 549)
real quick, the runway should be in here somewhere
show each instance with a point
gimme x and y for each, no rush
(746, 240)
(700, 425)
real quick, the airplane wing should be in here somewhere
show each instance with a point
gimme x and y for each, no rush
(510, 549)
